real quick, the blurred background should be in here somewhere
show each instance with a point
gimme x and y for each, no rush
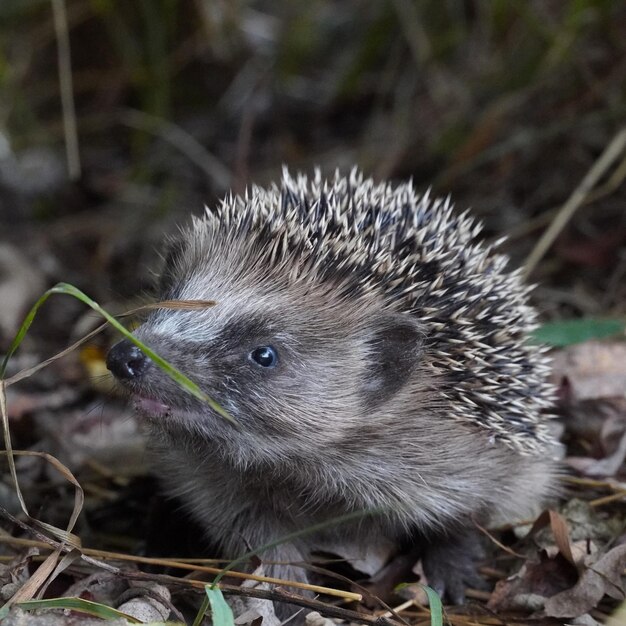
(119, 119)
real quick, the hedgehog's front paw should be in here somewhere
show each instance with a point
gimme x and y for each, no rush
(450, 566)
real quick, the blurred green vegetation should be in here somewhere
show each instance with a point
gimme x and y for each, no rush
(569, 332)
(315, 59)
(504, 104)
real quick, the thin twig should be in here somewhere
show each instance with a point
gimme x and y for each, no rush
(219, 174)
(614, 497)
(67, 90)
(414, 32)
(275, 595)
(91, 556)
(525, 228)
(29, 371)
(597, 170)
(361, 588)
(496, 542)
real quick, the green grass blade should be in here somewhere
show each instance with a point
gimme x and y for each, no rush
(65, 288)
(569, 332)
(78, 604)
(204, 607)
(436, 608)
(434, 602)
(221, 613)
(21, 333)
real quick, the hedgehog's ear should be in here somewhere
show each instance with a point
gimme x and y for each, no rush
(394, 347)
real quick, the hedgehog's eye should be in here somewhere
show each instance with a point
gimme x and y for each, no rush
(265, 356)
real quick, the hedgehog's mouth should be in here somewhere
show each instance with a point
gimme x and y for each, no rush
(150, 407)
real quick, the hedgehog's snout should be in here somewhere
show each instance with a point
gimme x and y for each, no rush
(127, 362)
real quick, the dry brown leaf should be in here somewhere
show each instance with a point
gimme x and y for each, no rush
(39, 577)
(593, 369)
(536, 581)
(600, 579)
(608, 466)
(560, 532)
(561, 536)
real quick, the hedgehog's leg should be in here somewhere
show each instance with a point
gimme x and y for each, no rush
(450, 565)
(382, 585)
(282, 562)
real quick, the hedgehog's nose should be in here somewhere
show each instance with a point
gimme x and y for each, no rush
(126, 361)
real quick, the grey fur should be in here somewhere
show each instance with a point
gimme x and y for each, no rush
(404, 378)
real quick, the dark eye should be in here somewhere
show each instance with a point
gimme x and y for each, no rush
(265, 356)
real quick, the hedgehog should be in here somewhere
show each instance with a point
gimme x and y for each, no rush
(374, 355)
